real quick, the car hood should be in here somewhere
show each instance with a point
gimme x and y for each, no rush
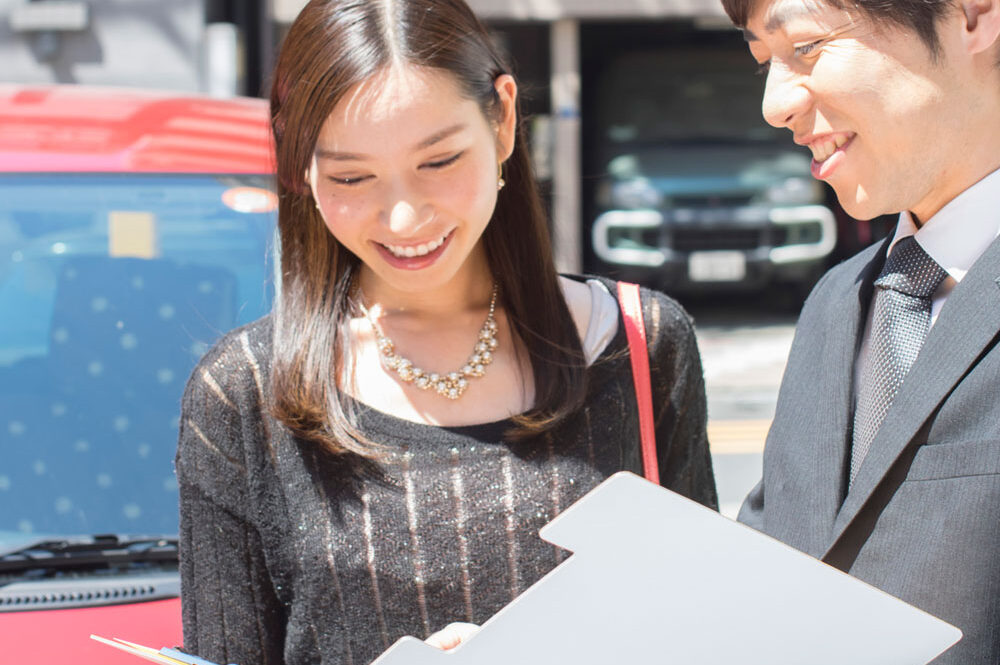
(706, 169)
(63, 636)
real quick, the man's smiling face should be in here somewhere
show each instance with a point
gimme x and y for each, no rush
(882, 115)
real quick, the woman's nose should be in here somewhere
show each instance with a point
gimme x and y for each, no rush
(405, 210)
(786, 97)
(403, 218)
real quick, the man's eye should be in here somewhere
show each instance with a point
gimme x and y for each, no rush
(806, 49)
(440, 164)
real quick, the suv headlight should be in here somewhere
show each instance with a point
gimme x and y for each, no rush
(635, 194)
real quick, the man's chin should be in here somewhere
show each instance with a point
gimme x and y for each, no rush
(859, 205)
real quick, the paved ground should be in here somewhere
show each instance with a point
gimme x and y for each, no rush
(744, 346)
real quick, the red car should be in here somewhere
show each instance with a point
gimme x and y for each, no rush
(135, 228)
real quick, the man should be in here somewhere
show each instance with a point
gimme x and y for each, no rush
(884, 455)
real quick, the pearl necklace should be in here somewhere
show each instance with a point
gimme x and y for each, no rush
(453, 384)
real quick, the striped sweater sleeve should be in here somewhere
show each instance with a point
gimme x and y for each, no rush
(679, 403)
(230, 611)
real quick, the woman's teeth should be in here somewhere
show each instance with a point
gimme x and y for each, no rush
(418, 250)
(823, 149)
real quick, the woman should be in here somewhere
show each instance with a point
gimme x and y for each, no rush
(376, 457)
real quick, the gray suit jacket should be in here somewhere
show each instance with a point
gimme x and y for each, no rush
(922, 520)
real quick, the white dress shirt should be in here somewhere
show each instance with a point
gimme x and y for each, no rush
(955, 238)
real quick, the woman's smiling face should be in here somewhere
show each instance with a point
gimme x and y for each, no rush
(405, 175)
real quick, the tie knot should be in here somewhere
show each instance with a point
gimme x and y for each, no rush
(910, 270)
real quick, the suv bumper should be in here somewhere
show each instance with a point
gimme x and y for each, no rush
(712, 249)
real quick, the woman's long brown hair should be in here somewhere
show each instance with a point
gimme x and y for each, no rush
(332, 46)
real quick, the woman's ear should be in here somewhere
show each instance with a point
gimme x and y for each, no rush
(310, 175)
(506, 89)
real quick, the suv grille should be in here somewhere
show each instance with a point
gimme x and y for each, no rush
(693, 239)
(711, 201)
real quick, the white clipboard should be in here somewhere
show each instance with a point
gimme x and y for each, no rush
(657, 578)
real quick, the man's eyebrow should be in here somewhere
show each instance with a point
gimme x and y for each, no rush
(779, 17)
(436, 137)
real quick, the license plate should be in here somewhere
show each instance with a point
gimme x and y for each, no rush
(717, 266)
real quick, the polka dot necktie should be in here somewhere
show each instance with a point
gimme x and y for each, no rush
(901, 317)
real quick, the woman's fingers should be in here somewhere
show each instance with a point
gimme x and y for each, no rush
(452, 635)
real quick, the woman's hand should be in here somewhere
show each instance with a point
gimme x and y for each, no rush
(452, 635)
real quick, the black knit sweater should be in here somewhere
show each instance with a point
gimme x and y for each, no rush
(287, 557)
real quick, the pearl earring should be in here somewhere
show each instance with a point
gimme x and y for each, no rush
(500, 181)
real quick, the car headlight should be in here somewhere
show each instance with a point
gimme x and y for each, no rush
(794, 191)
(803, 233)
(635, 194)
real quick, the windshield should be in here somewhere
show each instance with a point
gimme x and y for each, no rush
(684, 94)
(111, 288)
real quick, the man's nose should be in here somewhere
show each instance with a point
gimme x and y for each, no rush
(786, 96)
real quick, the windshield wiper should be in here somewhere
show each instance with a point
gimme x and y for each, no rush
(87, 551)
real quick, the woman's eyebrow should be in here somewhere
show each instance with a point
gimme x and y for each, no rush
(323, 153)
(436, 137)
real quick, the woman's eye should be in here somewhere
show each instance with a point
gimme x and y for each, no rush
(440, 164)
(349, 180)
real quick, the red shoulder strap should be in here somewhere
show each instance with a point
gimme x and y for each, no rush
(635, 329)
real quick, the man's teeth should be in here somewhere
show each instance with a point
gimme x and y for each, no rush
(418, 250)
(823, 149)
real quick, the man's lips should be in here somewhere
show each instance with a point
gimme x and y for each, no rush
(823, 146)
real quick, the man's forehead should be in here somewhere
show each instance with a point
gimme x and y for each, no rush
(773, 15)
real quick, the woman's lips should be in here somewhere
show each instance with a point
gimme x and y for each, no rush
(414, 262)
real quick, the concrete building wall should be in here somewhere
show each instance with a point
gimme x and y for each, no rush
(550, 10)
(148, 43)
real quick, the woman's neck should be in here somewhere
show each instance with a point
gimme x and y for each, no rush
(469, 291)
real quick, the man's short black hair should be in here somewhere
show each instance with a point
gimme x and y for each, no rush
(921, 16)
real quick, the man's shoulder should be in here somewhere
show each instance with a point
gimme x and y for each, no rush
(848, 275)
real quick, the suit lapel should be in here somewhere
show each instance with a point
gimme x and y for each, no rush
(806, 450)
(847, 325)
(967, 324)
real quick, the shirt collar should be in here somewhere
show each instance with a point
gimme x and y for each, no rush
(961, 231)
